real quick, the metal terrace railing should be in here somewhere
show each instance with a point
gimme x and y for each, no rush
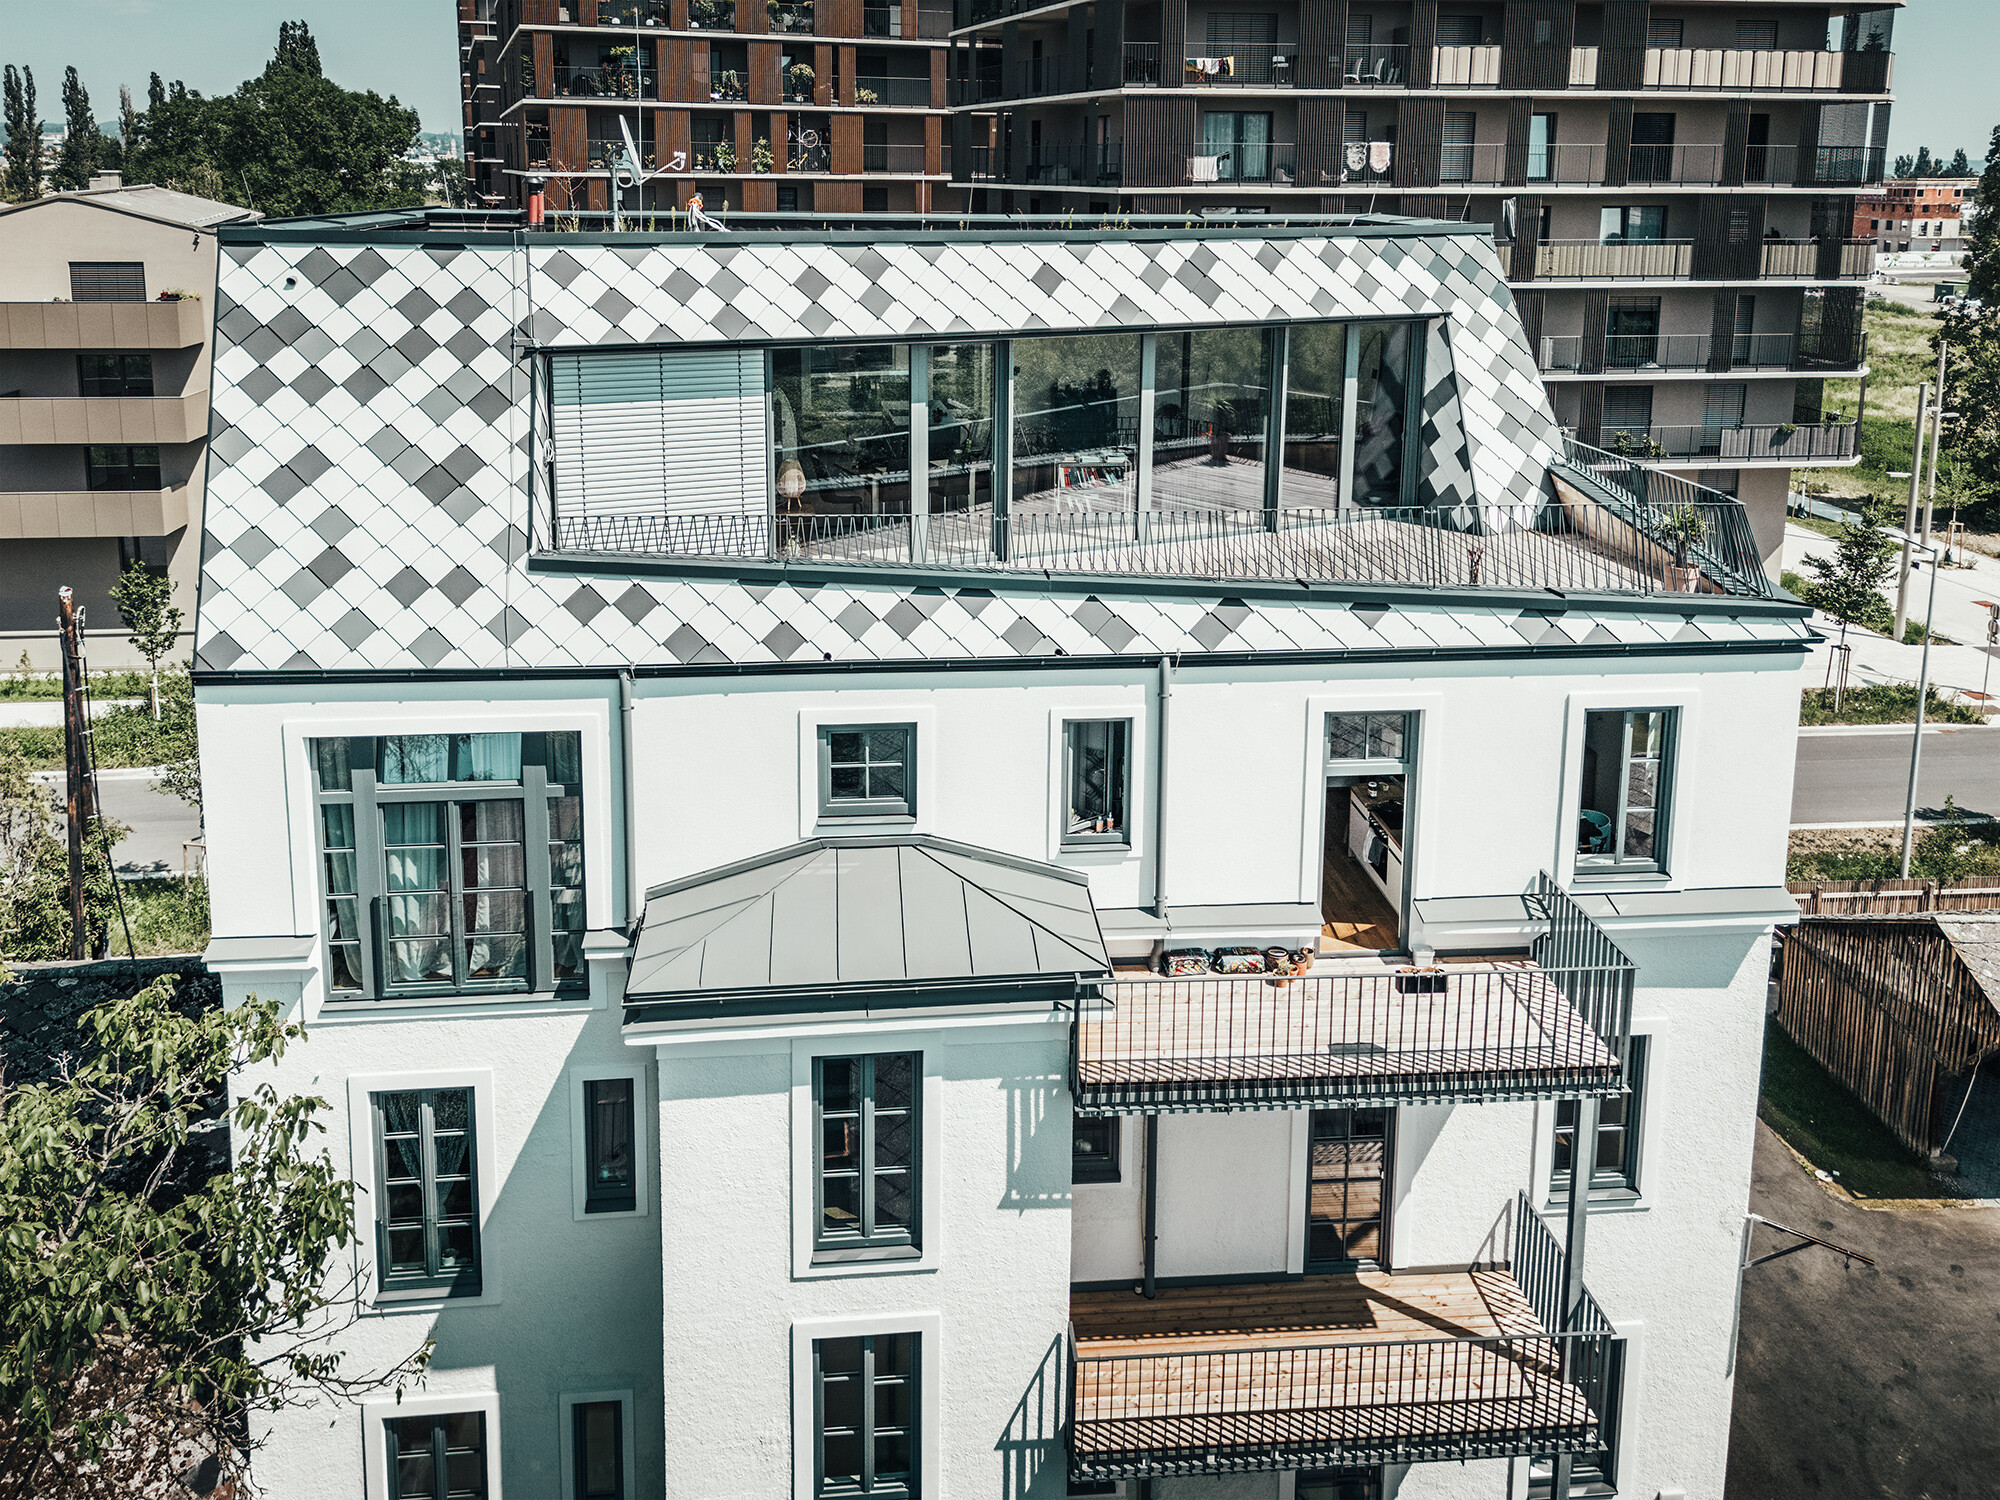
(1242, 1403)
(1617, 529)
(1556, 1027)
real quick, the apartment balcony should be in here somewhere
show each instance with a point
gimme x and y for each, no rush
(792, 17)
(1385, 67)
(1267, 163)
(1609, 532)
(1749, 70)
(1582, 164)
(104, 419)
(103, 325)
(602, 81)
(1588, 260)
(1745, 445)
(897, 93)
(1068, 165)
(896, 160)
(1366, 1368)
(1642, 354)
(93, 513)
(905, 21)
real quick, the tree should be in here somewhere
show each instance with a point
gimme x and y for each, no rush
(1972, 378)
(1960, 166)
(290, 141)
(296, 50)
(80, 137)
(1983, 247)
(1848, 585)
(144, 596)
(1925, 167)
(34, 874)
(156, 94)
(1905, 165)
(144, 1317)
(24, 133)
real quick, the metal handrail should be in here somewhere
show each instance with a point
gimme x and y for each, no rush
(1676, 517)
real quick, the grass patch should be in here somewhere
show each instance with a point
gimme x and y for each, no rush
(1825, 1123)
(1884, 703)
(25, 685)
(126, 736)
(167, 916)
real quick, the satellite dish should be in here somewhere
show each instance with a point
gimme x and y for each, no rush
(625, 169)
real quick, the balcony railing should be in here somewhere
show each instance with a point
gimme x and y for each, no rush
(904, 21)
(1142, 65)
(1732, 70)
(1763, 442)
(1219, 1379)
(601, 81)
(1048, 165)
(1273, 66)
(1477, 1032)
(708, 15)
(632, 12)
(793, 17)
(905, 159)
(1671, 351)
(1385, 67)
(1650, 260)
(1603, 543)
(1265, 161)
(1465, 67)
(1671, 524)
(901, 93)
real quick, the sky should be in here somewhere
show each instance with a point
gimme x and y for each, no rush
(1947, 85)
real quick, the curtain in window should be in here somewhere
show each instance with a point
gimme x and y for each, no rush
(415, 758)
(419, 946)
(487, 757)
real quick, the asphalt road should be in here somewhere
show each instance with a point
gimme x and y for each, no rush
(1859, 1383)
(160, 823)
(1861, 777)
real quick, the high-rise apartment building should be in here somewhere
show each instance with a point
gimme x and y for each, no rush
(1671, 184)
(809, 106)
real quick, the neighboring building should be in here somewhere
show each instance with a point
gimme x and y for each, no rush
(829, 106)
(704, 864)
(1918, 214)
(1672, 183)
(105, 310)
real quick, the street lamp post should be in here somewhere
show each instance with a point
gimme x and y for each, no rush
(1910, 516)
(1917, 739)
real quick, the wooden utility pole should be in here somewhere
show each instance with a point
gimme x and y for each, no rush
(82, 787)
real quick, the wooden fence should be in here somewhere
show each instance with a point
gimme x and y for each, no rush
(1893, 898)
(1891, 1010)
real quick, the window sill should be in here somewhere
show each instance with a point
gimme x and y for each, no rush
(1101, 1179)
(426, 1298)
(832, 822)
(1605, 1200)
(867, 1255)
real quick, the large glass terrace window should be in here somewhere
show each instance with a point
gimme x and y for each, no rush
(961, 426)
(1076, 422)
(1382, 391)
(1211, 413)
(1315, 401)
(843, 429)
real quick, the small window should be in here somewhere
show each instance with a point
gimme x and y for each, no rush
(426, 1192)
(107, 281)
(441, 1457)
(119, 466)
(866, 1116)
(1366, 736)
(597, 1431)
(1614, 1164)
(1096, 751)
(1622, 816)
(1665, 33)
(867, 770)
(1541, 150)
(865, 1416)
(115, 374)
(1094, 1150)
(608, 1146)
(1340, 1484)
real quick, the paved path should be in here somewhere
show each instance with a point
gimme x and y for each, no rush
(1860, 1384)
(1861, 775)
(47, 713)
(161, 823)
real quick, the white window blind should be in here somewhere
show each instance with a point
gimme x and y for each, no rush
(658, 433)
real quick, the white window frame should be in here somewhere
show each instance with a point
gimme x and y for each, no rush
(603, 844)
(930, 1152)
(361, 1151)
(929, 1328)
(844, 715)
(375, 1443)
(566, 1403)
(1682, 780)
(1430, 730)
(644, 1127)
(1138, 786)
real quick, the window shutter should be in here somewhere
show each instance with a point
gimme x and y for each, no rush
(1460, 31)
(657, 433)
(107, 281)
(1236, 32)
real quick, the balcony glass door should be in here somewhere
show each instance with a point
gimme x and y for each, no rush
(1240, 142)
(1347, 1188)
(1652, 148)
(1721, 409)
(1632, 332)
(1362, 875)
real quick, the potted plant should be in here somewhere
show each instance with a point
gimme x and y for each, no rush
(761, 159)
(725, 157)
(1222, 419)
(866, 96)
(1684, 526)
(800, 76)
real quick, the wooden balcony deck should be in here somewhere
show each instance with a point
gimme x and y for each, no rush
(1360, 1368)
(1213, 1043)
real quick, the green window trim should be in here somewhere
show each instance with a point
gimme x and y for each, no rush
(1620, 1122)
(867, 1129)
(1094, 1150)
(451, 864)
(866, 1400)
(867, 772)
(427, 1231)
(437, 1457)
(1097, 772)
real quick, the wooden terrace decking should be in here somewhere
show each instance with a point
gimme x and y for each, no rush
(1204, 1379)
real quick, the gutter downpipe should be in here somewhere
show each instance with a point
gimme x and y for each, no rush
(1166, 694)
(634, 899)
(1152, 1203)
